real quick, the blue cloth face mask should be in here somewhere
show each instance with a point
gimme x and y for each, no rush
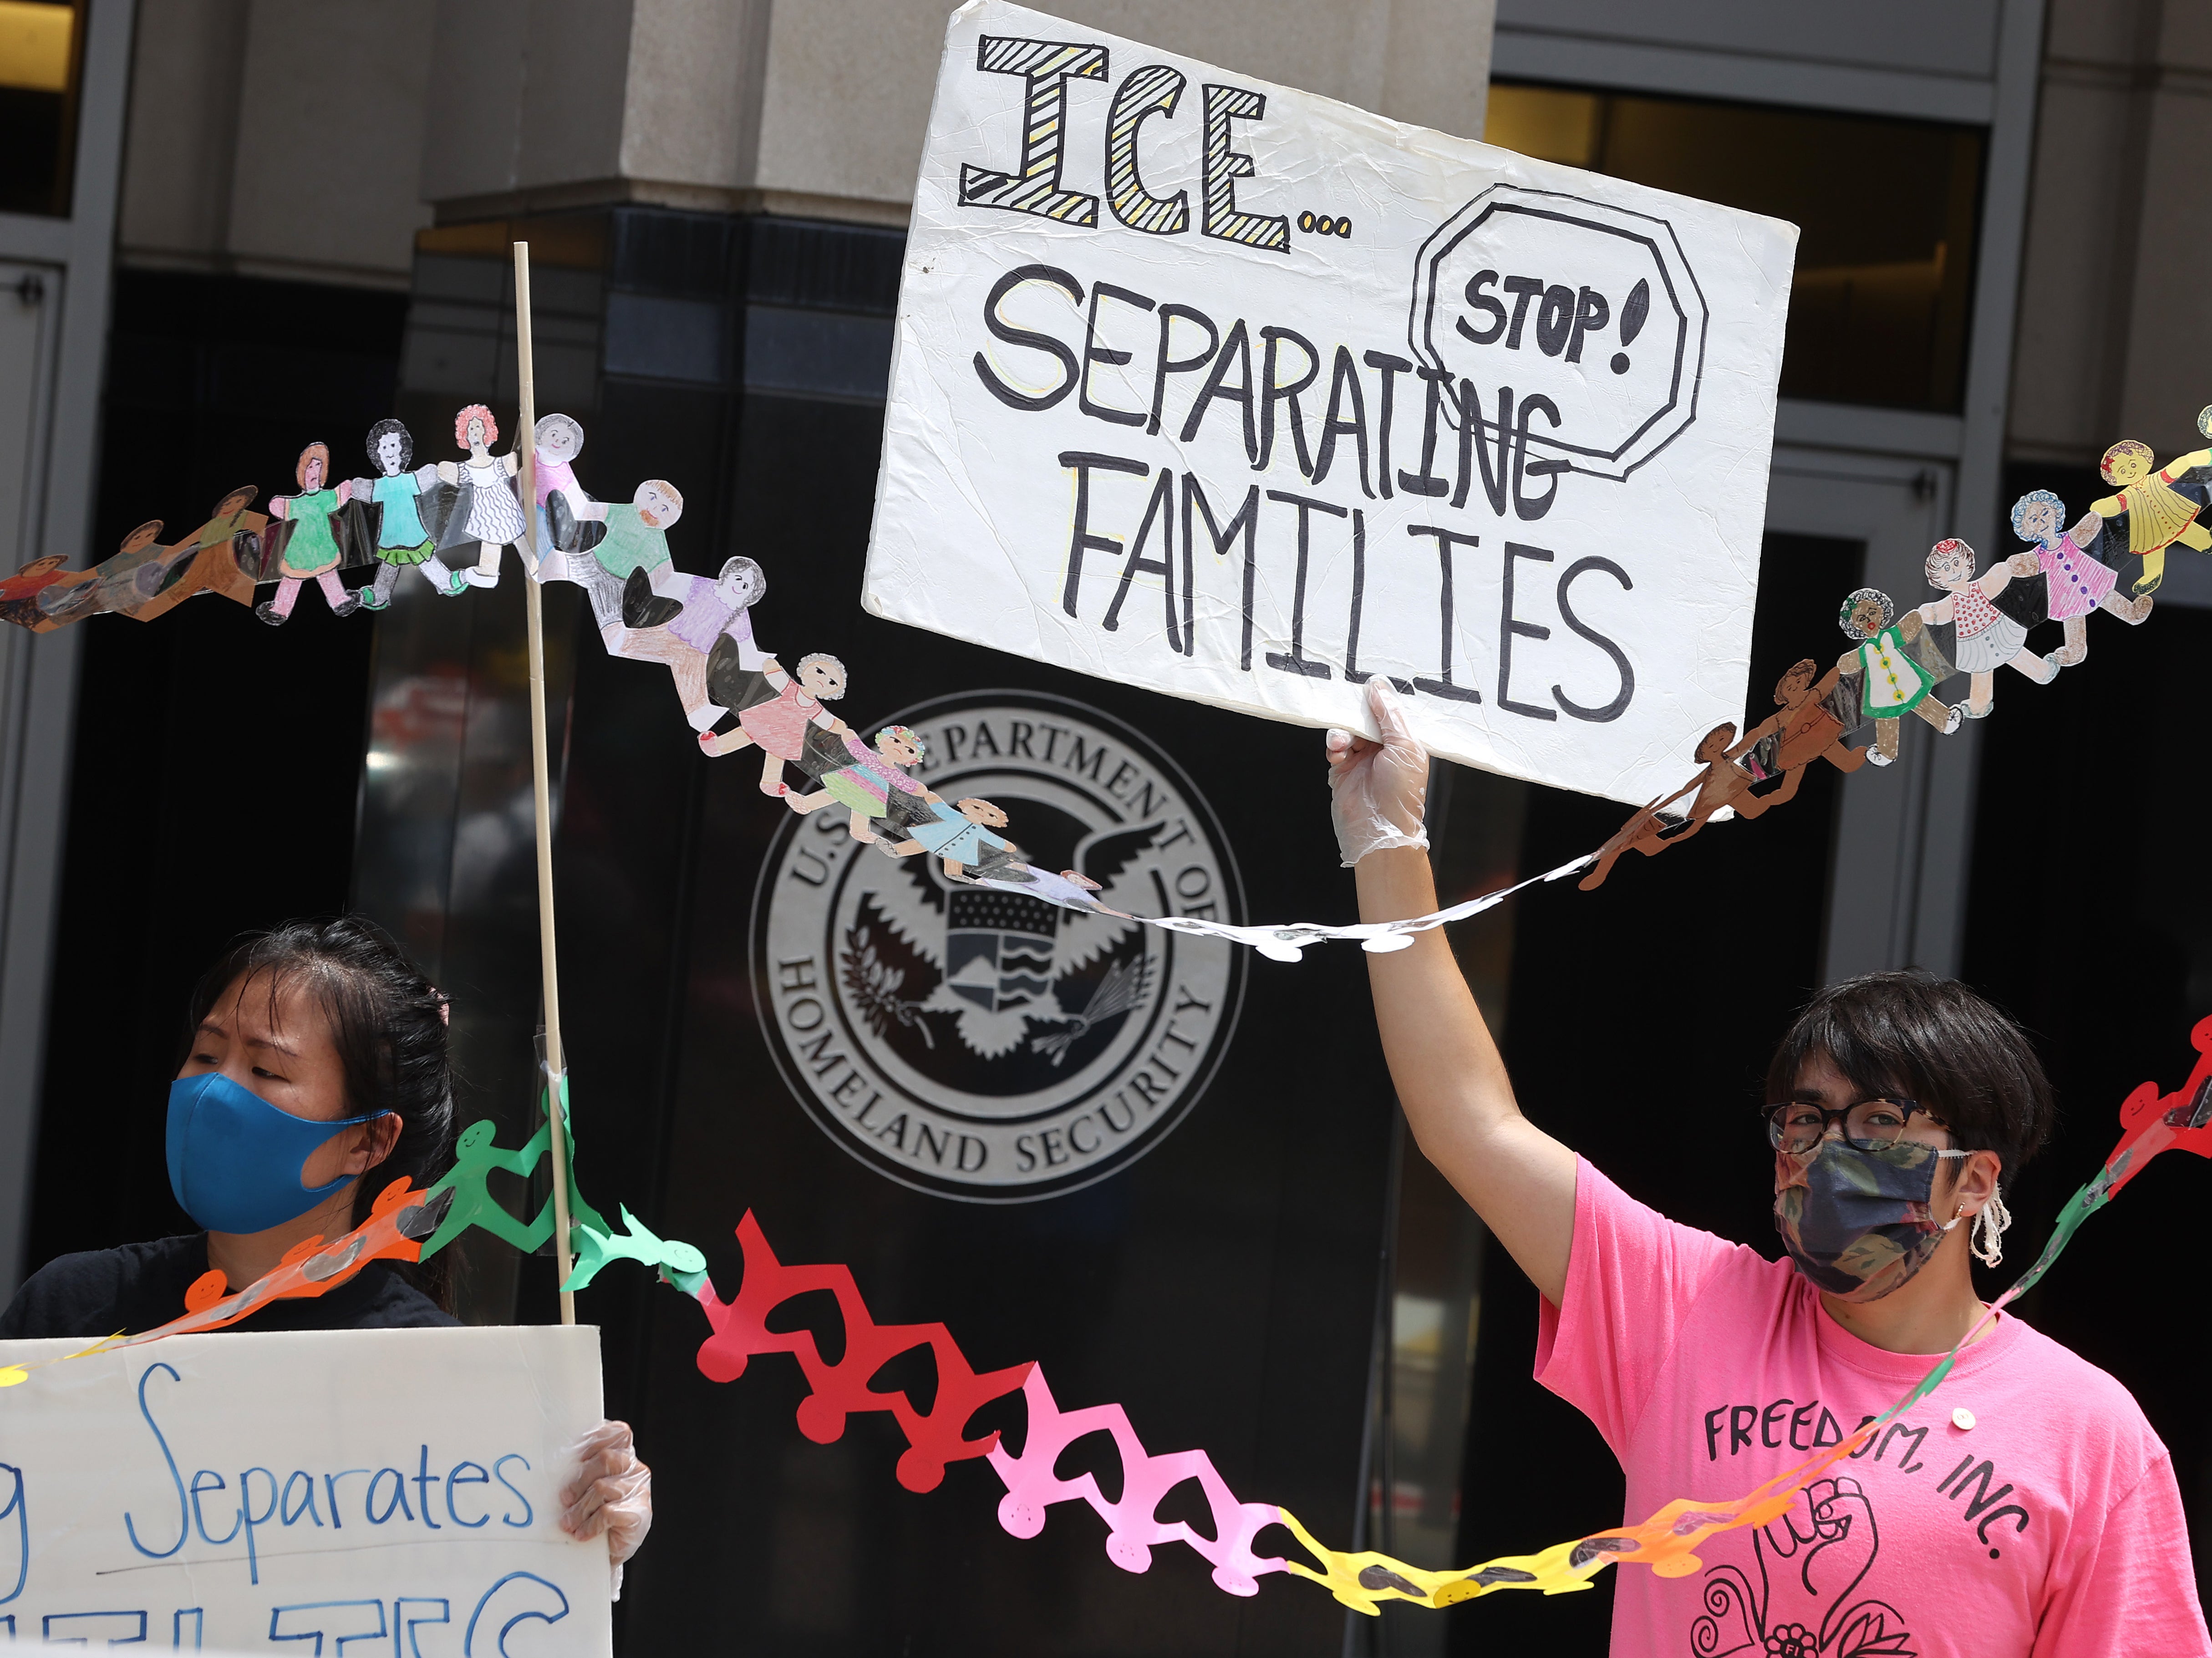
(235, 1161)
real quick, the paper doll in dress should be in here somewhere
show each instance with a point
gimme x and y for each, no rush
(1891, 682)
(487, 515)
(958, 832)
(780, 723)
(2151, 511)
(1988, 639)
(311, 552)
(865, 786)
(403, 541)
(2075, 583)
(711, 612)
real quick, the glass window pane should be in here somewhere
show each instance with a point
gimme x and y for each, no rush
(1887, 210)
(38, 54)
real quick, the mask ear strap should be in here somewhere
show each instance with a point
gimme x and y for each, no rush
(1959, 1213)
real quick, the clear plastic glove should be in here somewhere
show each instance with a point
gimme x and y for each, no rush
(611, 1492)
(1378, 790)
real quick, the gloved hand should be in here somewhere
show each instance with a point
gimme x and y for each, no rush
(1378, 790)
(611, 1492)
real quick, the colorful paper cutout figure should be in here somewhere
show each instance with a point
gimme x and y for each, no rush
(558, 440)
(595, 1246)
(132, 577)
(780, 723)
(710, 614)
(2151, 510)
(21, 595)
(868, 786)
(637, 541)
(1654, 827)
(960, 833)
(398, 1222)
(486, 514)
(1988, 639)
(403, 541)
(2075, 582)
(209, 560)
(311, 550)
(1132, 1519)
(1892, 681)
(1746, 778)
(1804, 730)
(935, 1438)
(469, 1199)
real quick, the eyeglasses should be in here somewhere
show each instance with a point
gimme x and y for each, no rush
(1869, 1125)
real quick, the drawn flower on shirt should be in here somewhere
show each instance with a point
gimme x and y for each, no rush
(1809, 1565)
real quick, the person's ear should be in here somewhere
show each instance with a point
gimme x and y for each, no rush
(1976, 1183)
(378, 1138)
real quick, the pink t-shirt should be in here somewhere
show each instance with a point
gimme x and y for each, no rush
(2052, 1526)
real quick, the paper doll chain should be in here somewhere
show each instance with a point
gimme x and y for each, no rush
(2151, 1123)
(1651, 830)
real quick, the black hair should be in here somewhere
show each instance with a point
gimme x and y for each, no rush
(388, 1025)
(383, 430)
(1934, 1041)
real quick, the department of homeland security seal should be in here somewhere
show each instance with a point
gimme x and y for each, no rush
(979, 1043)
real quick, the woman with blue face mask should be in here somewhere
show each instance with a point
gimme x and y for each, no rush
(2026, 1508)
(314, 1074)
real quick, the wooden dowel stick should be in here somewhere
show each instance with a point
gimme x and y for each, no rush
(525, 444)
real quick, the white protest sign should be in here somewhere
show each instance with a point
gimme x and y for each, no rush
(343, 1492)
(1243, 395)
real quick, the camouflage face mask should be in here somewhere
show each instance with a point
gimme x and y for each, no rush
(1856, 1221)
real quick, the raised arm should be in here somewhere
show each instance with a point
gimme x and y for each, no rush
(1447, 1071)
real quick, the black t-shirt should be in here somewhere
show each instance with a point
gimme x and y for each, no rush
(142, 1286)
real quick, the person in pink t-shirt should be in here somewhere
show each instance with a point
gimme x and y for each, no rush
(2026, 1509)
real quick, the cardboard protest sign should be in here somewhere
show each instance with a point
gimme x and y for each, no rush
(1243, 395)
(395, 1490)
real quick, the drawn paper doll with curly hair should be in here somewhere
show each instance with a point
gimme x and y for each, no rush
(1892, 683)
(865, 786)
(2076, 582)
(403, 541)
(2152, 510)
(1987, 638)
(487, 515)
